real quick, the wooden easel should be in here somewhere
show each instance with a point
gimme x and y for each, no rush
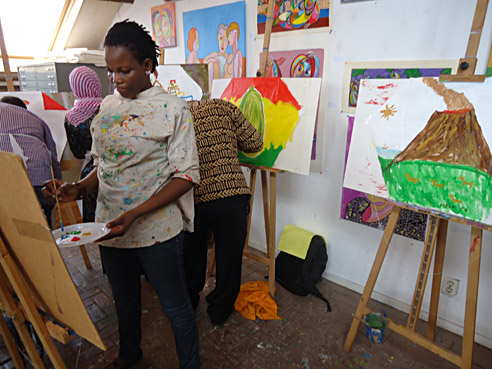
(35, 284)
(5, 60)
(268, 183)
(25, 309)
(435, 239)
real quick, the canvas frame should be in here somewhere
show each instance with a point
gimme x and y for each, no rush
(401, 64)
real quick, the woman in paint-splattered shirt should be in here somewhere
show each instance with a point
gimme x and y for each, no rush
(140, 145)
(146, 157)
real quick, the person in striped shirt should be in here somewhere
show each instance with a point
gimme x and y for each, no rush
(221, 203)
(24, 133)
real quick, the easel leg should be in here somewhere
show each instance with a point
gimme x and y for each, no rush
(19, 320)
(252, 187)
(471, 297)
(85, 256)
(19, 285)
(371, 280)
(11, 347)
(272, 230)
(266, 205)
(425, 262)
(437, 278)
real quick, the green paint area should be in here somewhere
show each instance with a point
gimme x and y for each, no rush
(265, 159)
(358, 72)
(252, 107)
(448, 188)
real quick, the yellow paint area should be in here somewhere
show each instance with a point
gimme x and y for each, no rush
(280, 121)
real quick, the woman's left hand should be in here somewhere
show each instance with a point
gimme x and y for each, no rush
(120, 225)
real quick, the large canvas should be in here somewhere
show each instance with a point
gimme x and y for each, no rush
(293, 15)
(426, 144)
(283, 111)
(306, 63)
(356, 71)
(164, 25)
(217, 37)
(48, 110)
(188, 81)
(362, 208)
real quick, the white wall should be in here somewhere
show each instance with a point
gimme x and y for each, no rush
(363, 31)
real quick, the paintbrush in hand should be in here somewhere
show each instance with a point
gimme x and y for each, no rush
(57, 202)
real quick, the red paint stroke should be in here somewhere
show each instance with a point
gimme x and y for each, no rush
(378, 101)
(271, 88)
(474, 245)
(75, 239)
(50, 104)
(386, 86)
(457, 112)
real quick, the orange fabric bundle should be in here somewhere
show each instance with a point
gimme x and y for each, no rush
(254, 301)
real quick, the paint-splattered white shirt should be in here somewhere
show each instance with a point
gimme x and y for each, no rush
(139, 146)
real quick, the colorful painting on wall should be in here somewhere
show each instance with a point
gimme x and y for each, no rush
(362, 208)
(217, 37)
(188, 81)
(293, 15)
(48, 110)
(297, 64)
(283, 111)
(426, 144)
(306, 63)
(164, 25)
(356, 71)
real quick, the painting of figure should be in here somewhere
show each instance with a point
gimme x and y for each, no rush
(216, 36)
(293, 15)
(164, 25)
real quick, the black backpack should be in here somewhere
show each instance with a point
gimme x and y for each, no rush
(300, 276)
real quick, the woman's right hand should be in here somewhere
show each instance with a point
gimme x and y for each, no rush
(66, 192)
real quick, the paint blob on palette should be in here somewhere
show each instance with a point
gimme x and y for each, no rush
(79, 234)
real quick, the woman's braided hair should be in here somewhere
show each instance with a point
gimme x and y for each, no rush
(136, 38)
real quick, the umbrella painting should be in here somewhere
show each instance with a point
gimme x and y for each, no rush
(283, 111)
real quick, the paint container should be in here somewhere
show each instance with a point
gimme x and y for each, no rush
(375, 326)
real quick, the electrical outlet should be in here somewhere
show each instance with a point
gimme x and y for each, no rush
(450, 286)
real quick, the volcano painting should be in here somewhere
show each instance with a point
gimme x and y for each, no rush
(431, 141)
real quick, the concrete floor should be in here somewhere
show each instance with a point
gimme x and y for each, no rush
(306, 337)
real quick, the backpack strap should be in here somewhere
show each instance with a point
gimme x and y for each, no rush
(319, 295)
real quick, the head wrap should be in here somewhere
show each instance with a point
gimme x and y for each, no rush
(86, 86)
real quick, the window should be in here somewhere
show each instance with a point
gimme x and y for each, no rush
(29, 26)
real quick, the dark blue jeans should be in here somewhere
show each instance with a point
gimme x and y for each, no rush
(163, 268)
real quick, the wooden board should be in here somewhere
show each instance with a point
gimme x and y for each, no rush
(29, 240)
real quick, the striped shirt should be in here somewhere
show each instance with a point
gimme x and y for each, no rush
(33, 136)
(221, 130)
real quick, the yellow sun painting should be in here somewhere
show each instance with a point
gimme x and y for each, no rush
(388, 112)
